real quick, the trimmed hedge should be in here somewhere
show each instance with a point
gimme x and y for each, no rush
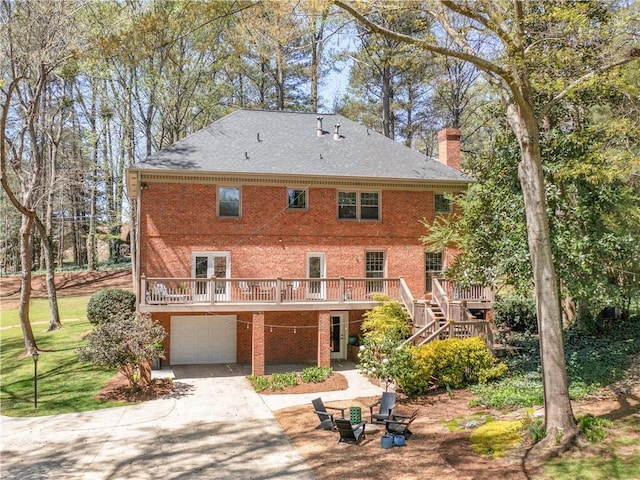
(111, 302)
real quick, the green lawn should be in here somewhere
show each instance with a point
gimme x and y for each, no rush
(619, 458)
(69, 307)
(64, 384)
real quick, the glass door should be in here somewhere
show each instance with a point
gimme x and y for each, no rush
(207, 265)
(338, 339)
(315, 269)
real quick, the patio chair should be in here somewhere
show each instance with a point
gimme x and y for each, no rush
(350, 433)
(327, 422)
(399, 424)
(387, 403)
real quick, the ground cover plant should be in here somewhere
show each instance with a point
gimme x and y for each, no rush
(278, 382)
(593, 361)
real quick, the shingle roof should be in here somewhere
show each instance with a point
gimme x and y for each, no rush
(277, 142)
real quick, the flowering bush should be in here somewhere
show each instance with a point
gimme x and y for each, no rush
(452, 363)
(384, 329)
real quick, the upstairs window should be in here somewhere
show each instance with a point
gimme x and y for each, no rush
(442, 203)
(359, 205)
(229, 202)
(296, 199)
(374, 268)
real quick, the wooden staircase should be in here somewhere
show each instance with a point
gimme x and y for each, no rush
(442, 318)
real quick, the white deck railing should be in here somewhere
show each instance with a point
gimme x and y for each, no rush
(185, 291)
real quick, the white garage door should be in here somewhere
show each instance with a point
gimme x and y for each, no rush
(203, 339)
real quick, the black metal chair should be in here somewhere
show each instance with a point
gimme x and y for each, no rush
(399, 424)
(387, 403)
(327, 421)
(350, 433)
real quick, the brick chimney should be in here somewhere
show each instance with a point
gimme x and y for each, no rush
(449, 147)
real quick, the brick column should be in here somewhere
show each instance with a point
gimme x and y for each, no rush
(324, 339)
(257, 344)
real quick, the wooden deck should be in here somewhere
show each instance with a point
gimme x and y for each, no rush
(447, 315)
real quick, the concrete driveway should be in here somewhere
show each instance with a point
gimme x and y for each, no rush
(214, 427)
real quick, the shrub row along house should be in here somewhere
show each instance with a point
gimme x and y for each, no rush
(264, 237)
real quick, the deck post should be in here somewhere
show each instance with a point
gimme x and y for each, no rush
(324, 339)
(257, 344)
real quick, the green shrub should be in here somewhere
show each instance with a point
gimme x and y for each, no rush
(281, 380)
(106, 304)
(127, 342)
(316, 374)
(516, 314)
(449, 363)
(259, 382)
(594, 427)
(535, 427)
(384, 328)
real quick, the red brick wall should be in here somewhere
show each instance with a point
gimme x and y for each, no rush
(282, 343)
(271, 241)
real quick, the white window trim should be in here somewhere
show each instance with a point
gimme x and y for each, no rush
(442, 212)
(306, 198)
(384, 261)
(359, 206)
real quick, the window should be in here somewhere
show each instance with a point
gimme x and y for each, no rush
(347, 205)
(442, 203)
(433, 268)
(369, 206)
(229, 201)
(296, 199)
(374, 268)
(359, 205)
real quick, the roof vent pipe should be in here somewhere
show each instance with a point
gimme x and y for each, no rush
(336, 133)
(319, 118)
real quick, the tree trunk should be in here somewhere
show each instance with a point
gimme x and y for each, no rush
(559, 420)
(49, 260)
(387, 131)
(25, 285)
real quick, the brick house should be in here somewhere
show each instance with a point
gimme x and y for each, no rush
(264, 237)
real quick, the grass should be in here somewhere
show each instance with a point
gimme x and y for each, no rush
(620, 458)
(65, 385)
(69, 307)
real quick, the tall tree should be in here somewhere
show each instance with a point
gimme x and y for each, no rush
(37, 39)
(531, 43)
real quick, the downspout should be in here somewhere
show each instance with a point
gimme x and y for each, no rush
(137, 264)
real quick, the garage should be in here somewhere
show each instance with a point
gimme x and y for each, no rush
(203, 339)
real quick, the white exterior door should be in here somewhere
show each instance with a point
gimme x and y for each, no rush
(203, 339)
(207, 265)
(339, 331)
(315, 269)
